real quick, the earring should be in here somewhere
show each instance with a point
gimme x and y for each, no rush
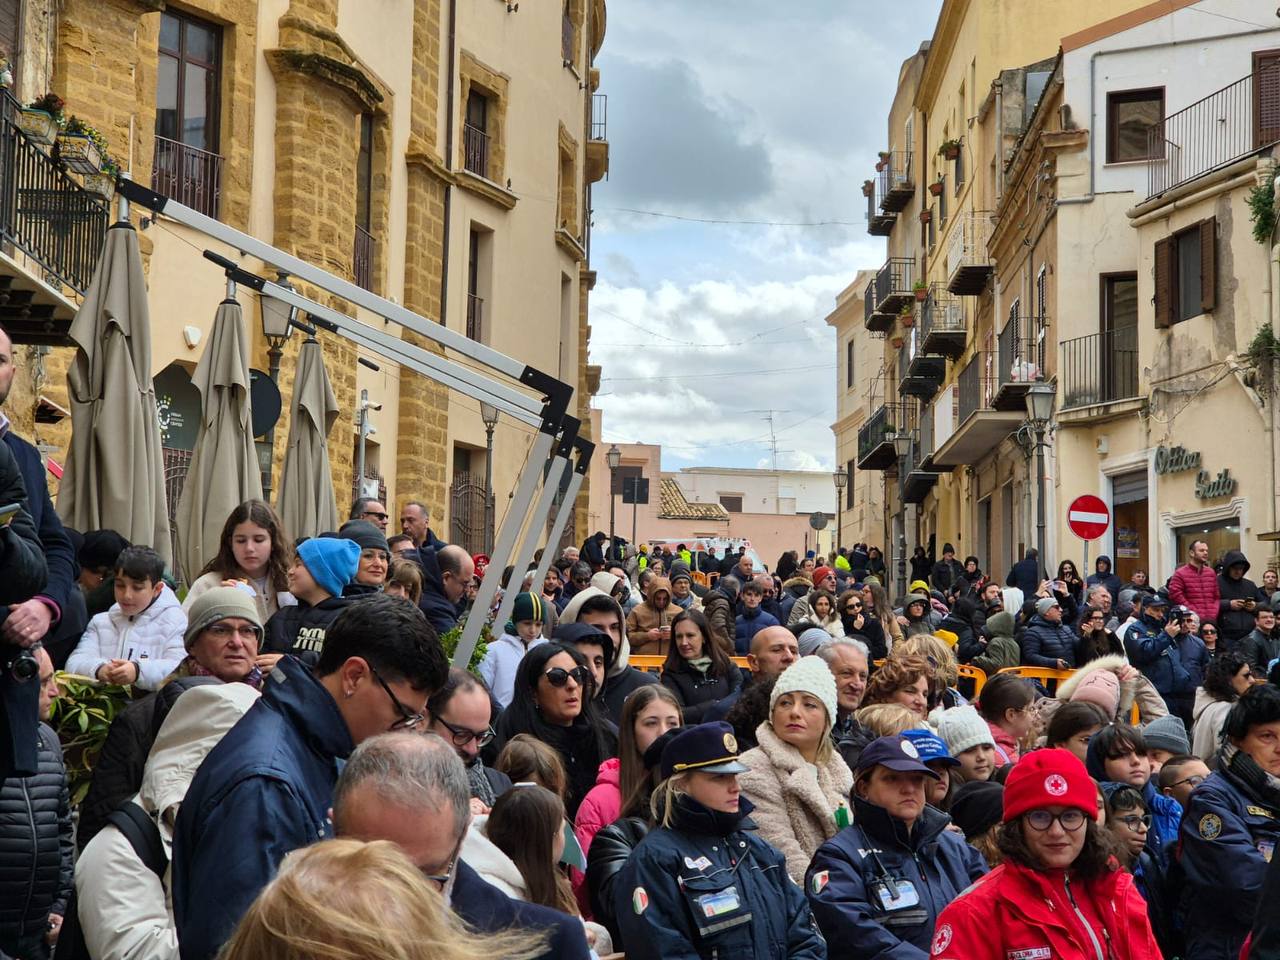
(349, 693)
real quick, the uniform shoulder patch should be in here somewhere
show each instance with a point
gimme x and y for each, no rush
(639, 900)
(818, 882)
(941, 939)
(1210, 826)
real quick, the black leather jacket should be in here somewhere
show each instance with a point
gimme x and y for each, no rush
(608, 854)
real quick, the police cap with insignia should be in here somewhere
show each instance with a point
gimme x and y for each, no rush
(896, 753)
(707, 748)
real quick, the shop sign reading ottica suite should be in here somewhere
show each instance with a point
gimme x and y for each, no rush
(1178, 459)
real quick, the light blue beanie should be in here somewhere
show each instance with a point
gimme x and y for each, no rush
(331, 561)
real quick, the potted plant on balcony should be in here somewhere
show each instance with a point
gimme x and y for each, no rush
(921, 290)
(926, 215)
(935, 188)
(81, 147)
(41, 119)
(949, 149)
(868, 187)
(907, 315)
(103, 181)
(883, 161)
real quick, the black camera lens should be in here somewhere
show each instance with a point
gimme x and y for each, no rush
(24, 667)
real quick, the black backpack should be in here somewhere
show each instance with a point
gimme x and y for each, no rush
(144, 836)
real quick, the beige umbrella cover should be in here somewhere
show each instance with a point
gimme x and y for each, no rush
(224, 465)
(306, 503)
(114, 475)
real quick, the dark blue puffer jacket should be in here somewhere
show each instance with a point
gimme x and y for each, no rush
(1044, 644)
(849, 871)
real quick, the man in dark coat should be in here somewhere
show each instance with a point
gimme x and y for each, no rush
(445, 575)
(371, 801)
(1025, 574)
(593, 550)
(36, 853)
(1047, 641)
(1238, 597)
(267, 787)
(1104, 576)
(947, 572)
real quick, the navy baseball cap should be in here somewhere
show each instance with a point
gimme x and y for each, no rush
(930, 747)
(895, 753)
(1156, 600)
(708, 747)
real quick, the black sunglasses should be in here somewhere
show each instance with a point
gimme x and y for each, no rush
(376, 515)
(559, 676)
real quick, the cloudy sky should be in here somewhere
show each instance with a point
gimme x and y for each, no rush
(733, 110)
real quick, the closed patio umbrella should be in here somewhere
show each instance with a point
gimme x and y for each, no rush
(114, 474)
(306, 505)
(224, 464)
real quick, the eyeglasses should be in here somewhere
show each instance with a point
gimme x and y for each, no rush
(1070, 820)
(376, 515)
(408, 718)
(1135, 822)
(462, 736)
(1195, 780)
(559, 676)
(223, 631)
(442, 879)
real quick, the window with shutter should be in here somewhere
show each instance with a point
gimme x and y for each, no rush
(1266, 97)
(1208, 264)
(1164, 282)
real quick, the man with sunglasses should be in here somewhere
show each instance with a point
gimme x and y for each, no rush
(367, 508)
(461, 713)
(412, 790)
(266, 788)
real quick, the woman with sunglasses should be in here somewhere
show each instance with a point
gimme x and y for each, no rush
(1059, 892)
(553, 701)
(860, 622)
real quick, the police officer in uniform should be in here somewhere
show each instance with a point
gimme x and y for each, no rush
(881, 882)
(1230, 829)
(701, 883)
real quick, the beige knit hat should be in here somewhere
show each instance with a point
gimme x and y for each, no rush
(218, 604)
(807, 675)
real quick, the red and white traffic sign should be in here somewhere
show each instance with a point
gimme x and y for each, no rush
(1088, 517)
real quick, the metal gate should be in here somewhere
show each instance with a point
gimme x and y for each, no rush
(176, 464)
(466, 512)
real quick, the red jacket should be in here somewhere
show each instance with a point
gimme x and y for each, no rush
(1017, 912)
(1197, 589)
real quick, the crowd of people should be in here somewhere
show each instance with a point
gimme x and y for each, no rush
(816, 768)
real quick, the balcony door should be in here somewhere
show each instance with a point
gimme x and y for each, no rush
(1119, 348)
(187, 165)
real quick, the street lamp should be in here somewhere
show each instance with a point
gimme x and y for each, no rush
(839, 478)
(902, 446)
(489, 414)
(277, 325)
(1040, 401)
(613, 457)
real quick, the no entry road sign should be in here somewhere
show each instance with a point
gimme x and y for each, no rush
(1088, 517)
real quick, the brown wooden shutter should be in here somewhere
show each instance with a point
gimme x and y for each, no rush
(1266, 97)
(1164, 255)
(1208, 264)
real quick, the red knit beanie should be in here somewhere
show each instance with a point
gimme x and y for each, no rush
(1049, 778)
(821, 573)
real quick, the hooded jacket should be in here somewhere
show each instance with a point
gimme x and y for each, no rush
(1015, 911)
(263, 791)
(1234, 624)
(718, 607)
(440, 612)
(795, 801)
(501, 661)
(299, 630)
(1105, 577)
(484, 907)
(1045, 643)
(123, 906)
(847, 871)
(36, 850)
(484, 857)
(1197, 589)
(1001, 650)
(645, 617)
(620, 677)
(151, 638)
(1137, 689)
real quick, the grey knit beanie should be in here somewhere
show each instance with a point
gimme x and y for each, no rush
(219, 604)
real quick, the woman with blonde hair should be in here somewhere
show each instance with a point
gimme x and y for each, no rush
(346, 900)
(886, 719)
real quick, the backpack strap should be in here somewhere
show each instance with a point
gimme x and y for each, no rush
(143, 835)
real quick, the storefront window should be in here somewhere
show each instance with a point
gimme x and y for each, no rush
(1221, 535)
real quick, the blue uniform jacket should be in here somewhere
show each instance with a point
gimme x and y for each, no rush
(1226, 840)
(1160, 657)
(701, 890)
(486, 908)
(263, 791)
(849, 872)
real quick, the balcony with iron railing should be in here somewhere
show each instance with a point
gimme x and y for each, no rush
(869, 303)
(1229, 124)
(919, 375)
(893, 292)
(896, 181)
(879, 223)
(1020, 358)
(1099, 369)
(475, 150)
(969, 264)
(362, 258)
(598, 144)
(187, 174)
(942, 325)
(875, 440)
(56, 224)
(979, 426)
(918, 478)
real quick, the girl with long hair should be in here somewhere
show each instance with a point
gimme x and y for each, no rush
(252, 549)
(527, 824)
(876, 600)
(697, 671)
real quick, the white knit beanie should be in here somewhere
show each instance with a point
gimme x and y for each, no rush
(807, 675)
(963, 728)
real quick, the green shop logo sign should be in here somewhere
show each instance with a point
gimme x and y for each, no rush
(1178, 459)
